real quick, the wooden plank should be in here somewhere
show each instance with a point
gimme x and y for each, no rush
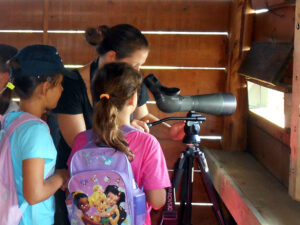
(260, 4)
(275, 26)
(21, 14)
(273, 130)
(191, 82)
(250, 192)
(234, 135)
(186, 15)
(270, 151)
(294, 179)
(20, 40)
(200, 215)
(45, 23)
(73, 48)
(167, 50)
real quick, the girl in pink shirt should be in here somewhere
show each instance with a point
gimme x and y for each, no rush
(114, 92)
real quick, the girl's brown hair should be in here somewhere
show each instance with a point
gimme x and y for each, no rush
(120, 82)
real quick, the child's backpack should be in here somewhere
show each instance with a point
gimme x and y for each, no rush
(10, 212)
(102, 187)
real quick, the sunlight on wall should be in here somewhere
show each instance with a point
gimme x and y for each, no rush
(267, 103)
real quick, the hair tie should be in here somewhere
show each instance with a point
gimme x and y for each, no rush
(10, 86)
(104, 96)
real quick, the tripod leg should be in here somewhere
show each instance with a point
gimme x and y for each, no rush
(190, 189)
(208, 185)
(185, 214)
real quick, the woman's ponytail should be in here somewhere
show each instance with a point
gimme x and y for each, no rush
(94, 36)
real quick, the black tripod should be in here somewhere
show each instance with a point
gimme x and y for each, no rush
(185, 167)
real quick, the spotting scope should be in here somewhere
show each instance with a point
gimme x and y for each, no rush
(169, 100)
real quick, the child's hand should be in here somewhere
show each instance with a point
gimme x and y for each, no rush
(141, 125)
(177, 131)
(64, 174)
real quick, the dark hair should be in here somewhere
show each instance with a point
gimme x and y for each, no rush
(124, 39)
(5, 98)
(6, 52)
(115, 190)
(25, 85)
(77, 196)
(120, 81)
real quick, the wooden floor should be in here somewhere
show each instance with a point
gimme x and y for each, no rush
(252, 195)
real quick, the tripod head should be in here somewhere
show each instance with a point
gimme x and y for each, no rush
(191, 128)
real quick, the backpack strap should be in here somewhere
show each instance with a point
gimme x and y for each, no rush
(90, 135)
(23, 118)
(128, 129)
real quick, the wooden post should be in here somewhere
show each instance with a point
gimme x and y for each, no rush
(294, 177)
(45, 22)
(234, 132)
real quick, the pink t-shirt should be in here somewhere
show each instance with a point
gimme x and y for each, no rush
(149, 164)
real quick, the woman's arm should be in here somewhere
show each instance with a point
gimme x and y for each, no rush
(70, 126)
(35, 188)
(156, 198)
(161, 131)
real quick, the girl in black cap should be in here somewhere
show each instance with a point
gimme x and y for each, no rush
(36, 73)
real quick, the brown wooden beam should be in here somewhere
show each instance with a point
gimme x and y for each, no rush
(294, 179)
(234, 133)
(45, 21)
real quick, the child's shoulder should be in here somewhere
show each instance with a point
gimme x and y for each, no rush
(141, 136)
(32, 125)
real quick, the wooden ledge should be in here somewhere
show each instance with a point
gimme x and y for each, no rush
(251, 194)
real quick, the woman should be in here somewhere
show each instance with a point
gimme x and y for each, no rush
(120, 43)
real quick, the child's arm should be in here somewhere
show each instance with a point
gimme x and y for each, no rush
(79, 142)
(156, 198)
(35, 188)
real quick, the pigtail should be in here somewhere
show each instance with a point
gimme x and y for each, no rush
(106, 127)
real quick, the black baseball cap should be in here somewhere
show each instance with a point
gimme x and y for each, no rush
(39, 60)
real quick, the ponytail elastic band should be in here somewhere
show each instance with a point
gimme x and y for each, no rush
(104, 96)
(10, 86)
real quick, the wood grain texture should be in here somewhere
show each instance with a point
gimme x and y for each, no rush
(21, 14)
(187, 15)
(251, 193)
(270, 151)
(260, 4)
(167, 50)
(294, 179)
(20, 40)
(274, 26)
(234, 135)
(191, 82)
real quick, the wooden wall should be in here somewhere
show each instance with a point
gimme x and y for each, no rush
(166, 50)
(268, 142)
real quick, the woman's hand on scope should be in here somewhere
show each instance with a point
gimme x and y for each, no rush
(141, 125)
(176, 132)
